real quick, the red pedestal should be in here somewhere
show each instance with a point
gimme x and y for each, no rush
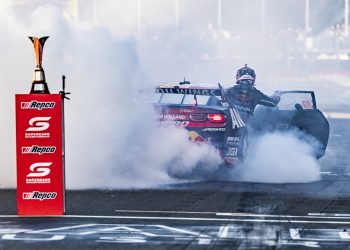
(40, 163)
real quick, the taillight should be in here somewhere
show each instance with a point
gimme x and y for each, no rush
(216, 117)
(197, 117)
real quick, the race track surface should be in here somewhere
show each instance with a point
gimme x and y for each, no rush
(198, 215)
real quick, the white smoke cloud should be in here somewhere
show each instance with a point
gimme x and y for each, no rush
(108, 58)
(280, 158)
(111, 135)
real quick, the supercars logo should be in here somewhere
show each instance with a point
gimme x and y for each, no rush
(39, 169)
(35, 149)
(36, 195)
(37, 127)
(37, 105)
(38, 124)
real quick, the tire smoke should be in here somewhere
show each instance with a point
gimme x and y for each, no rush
(112, 136)
(280, 158)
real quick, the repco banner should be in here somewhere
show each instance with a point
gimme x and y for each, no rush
(40, 170)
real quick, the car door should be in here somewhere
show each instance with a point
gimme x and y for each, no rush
(295, 110)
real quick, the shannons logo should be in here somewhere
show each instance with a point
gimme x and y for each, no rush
(36, 195)
(37, 105)
(39, 169)
(35, 149)
(38, 124)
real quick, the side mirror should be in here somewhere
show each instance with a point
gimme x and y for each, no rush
(298, 107)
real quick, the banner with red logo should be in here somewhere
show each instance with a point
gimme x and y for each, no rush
(40, 170)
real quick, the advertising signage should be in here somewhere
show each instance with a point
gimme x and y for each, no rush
(40, 164)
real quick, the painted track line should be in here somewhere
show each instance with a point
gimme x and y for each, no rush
(334, 215)
(309, 216)
(209, 219)
(319, 216)
(62, 228)
(155, 218)
(223, 232)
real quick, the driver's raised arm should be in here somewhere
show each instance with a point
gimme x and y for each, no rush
(268, 101)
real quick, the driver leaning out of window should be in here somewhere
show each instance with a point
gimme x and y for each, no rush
(244, 96)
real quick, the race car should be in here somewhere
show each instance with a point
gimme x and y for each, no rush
(207, 115)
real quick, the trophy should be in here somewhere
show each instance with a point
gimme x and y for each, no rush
(39, 85)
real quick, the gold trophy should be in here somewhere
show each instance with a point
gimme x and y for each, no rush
(39, 85)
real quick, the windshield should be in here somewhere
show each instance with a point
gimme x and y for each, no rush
(171, 99)
(182, 99)
(201, 99)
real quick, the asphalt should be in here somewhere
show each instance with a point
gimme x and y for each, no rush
(198, 215)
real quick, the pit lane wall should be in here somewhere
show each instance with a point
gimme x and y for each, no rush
(39, 145)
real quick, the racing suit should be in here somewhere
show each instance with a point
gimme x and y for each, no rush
(244, 97)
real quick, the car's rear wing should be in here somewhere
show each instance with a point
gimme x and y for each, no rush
(188, 90)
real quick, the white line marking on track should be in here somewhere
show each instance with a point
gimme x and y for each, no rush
(130, 229)
(328, 214)
(121, 240)
(223, 232)
(182, 231)
(204, 241)
(162, 212)
(12, 230)
(309, 216)
(278, 217)
(13, 237)
(208, 219)
(294, 233)
(344, 235)
(62, 228)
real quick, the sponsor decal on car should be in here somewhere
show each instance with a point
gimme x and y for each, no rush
(188, 91)
(37, 105)
(172, 117)
(197, 138)
(232, 152)
(36, 195)
(186, 111)
(37, 126)
(174, 123)
(214, 129)
(232, 140)
(35, 149)
(237, 121)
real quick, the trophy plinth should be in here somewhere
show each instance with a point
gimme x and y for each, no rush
(39, 85)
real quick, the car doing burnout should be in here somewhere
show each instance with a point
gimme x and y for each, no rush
(205, 113)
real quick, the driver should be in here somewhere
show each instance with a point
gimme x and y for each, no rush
(244, 96)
